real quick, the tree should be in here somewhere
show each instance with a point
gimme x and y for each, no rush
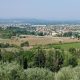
(7, 56)
(25, 65)
(40, 34)
(55, 59)
(39, 58)
(72, 50)
(70, 59)
(0, 55)
(73, 61)
(67, 34)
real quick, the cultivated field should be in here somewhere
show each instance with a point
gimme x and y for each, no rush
(36, 40)
(65, 46)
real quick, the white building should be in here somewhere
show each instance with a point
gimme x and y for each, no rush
(54, 33)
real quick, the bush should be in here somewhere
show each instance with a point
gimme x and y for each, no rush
(40, 34)
(2, 45)
(11, 71)
(68, 73)
(7, 56)
(72, 50)
(25, 44)
(70, 60)
(39, 74)
(64, 74)
(6, 45)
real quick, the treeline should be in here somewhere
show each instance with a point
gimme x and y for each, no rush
(53, 59)
(70, 34)
(15, 31)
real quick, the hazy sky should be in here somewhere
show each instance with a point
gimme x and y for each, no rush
(40, 9)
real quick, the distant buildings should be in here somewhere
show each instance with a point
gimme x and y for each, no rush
(52, 30)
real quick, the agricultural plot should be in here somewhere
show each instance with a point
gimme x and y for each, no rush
(65, 46)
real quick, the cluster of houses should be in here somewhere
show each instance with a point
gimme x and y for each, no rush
(52, 30)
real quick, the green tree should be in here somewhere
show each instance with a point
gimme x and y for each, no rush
(39, 58)
(73, 61)
(72, 50)
(55, 59)
(40, 34)
(70, 59)
(25, 65)
(0, 55)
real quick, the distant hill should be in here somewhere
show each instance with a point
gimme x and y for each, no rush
(38, 21)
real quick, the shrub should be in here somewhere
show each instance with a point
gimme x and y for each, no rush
(73, 61)
(40, 34)
(68, 73)
(11, 71)
(72, 50)
(25, 44)
(7, 56)
(39, 74)
(70, 60)
(64, 74)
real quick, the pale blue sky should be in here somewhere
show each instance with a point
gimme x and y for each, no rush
(40, 9)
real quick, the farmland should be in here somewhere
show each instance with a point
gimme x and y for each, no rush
(65, 46)
(39, 40)
(47, 42)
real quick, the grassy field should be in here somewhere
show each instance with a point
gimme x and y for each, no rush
(65, 46)
(45, 40)
(37, 40)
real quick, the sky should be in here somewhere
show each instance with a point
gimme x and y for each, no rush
(40, 9)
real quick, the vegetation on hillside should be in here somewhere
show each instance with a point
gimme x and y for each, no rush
(40, 64)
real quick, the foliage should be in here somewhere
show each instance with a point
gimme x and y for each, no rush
(39, 74)
(68, 34)
(39, 58)
(11, 71)
(70, 59)
(25, 65)
(72, 50)
(14, 31)
(40, 34)
(6, 45)
(55, 60)
(68, 73)
(25, 44)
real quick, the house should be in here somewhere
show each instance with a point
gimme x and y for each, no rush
(54, 33)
